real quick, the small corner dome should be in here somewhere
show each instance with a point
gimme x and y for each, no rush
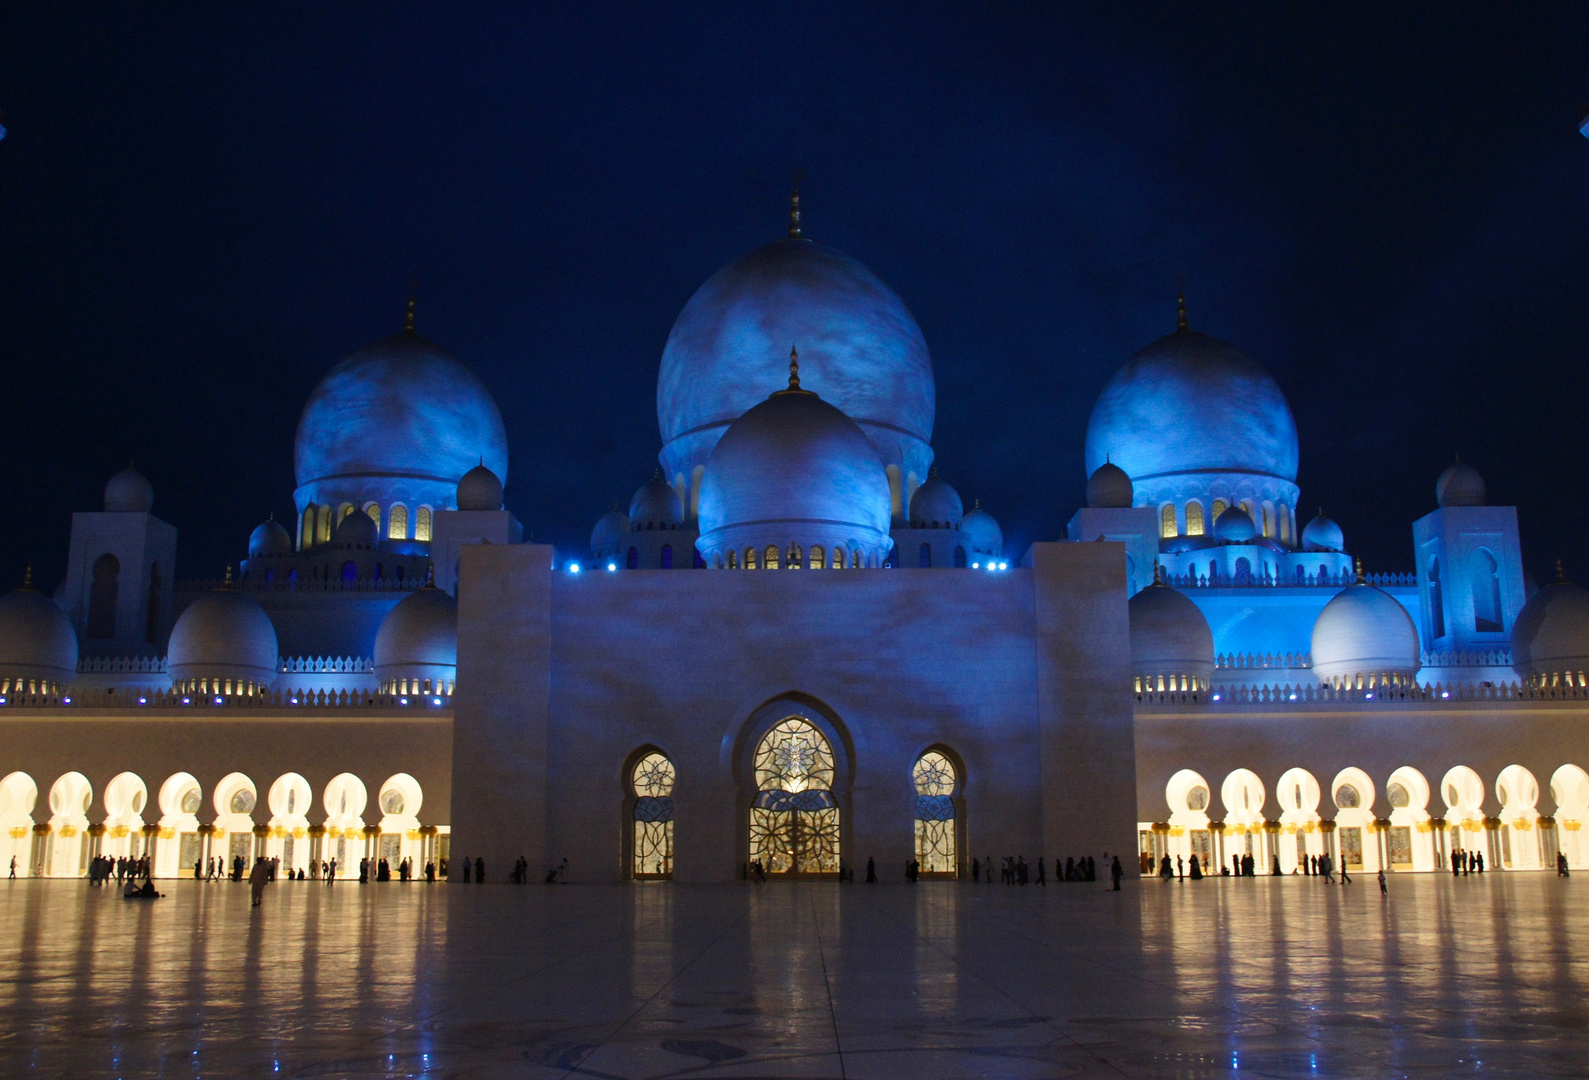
(656, 503)
(1322, 534)
(37, 641)
(1170, 636)
(794, 469)
(356, 530)
(418, 638)
(223, 635)
(983, 531)
(1460, 485)
(129, 492)
(1109, 488)
(609, 532)
(1364, 631)
(1235, 526)
(479, 489)
(1551, 634)
(936, 504)
(269, 538)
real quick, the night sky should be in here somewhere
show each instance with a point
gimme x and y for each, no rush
(201, 213)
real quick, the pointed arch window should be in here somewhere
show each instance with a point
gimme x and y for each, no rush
(770, 557)
(1167, 527)
(397, 522)
(794, 819)
(374, 511)
(1194, 519)
(1437, 610)
(422, 524)
(818, 557)
(652, 780)
(1486, 592)
(102, 597)
(322, 529)
(935, 779)
(1220, 506)
(750, 558)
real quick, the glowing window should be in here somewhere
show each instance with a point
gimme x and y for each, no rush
(1194, 519)
(750, 558)
(1268, 521)
(838, 558)
(1347, 798)
(323, 524)
(1398, 796)
(817, 557)
(794, 820)
(374, 511)
(1167, 526)
(397, 522)
(306, 528)
(1285, 524)
(733, 560)
(422, 523)
(794, 558)
(770, 557)
(343, 511)
(934, 777)
(1197, 798)
(653, 817)
(1220, 506)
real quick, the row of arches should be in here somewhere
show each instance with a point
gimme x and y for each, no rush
(794, 820)
(772, 558)
(1277, 521)
(318, 521)
(1483, 572)
(1407, 824)
(170, 830)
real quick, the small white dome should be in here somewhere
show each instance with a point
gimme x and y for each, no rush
(356, 530)
(223, 635)
(418, 640)
(37, 641)
(936, 505)
(1110, 488)
(795, 470)
(269, 539)
(479, 489)
(1551, 634)
(1460, 485)
(129, 492)
(1235, 526)
(656, 503)
(609, 532)
(1169, 638)
(1364, 631)
(983, 531)
(1322, 534)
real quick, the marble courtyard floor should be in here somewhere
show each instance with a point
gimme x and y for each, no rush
(1259, 978)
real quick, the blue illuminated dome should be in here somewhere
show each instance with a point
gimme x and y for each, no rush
(1192, 404)
(418, 642)
(607, 536)
(936, 505)
(859, 348)
(223, 636)
(269, 539)
(1235, 526)
(1322, 534)
(129, 492)
(1551, 635)
(1109, 488)
(794, 470)
(983, 532)
(399, 421)
(1170, 639)
(655, 504)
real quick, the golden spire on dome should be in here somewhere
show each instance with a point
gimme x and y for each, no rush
(27, 575)
(1361, 580)
(795, 232)
(1561, 575)
(1158, 573)
(794, 368)
(227, 584)
(1180, 305)
(413, 300)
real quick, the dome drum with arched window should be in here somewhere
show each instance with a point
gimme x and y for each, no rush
(416, 647)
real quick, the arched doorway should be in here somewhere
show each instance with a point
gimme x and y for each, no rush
(651, 780)
(794, 818)
(937, 781)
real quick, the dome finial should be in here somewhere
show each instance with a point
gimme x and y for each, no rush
(1158, 573)
(1180, 304)
(794, 368)
(795, 232)
(27, 575)
(227, 584)
(1561, 575)
(1361, 580)
(413, 300)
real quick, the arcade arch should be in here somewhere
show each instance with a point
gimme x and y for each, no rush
(1569, 789)
(794, 818)
(344, 800)
(125, 798)
(66, 848)
(180, 847)
(289, 801)
(1355, 841)
(1518, 833)
(1463, 793)
(1243, 796)
(235, 799)
(18, 795)
(1409, 840)
(936, 779)
(1189, 799)
(1297, 794)
(651, 776)
(399, 803)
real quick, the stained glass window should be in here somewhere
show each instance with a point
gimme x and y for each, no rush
(653, 817)
(422, 523)
(935, 779)
(397, 522)
(794, 820)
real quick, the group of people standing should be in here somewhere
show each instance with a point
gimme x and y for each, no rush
(101, 868)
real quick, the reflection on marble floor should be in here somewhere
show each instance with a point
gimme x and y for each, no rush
(1288, 977)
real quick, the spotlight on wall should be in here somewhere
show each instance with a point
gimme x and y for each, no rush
(402, 701)
(187, 701)
(1004, 566)
(573, 568)
(141, 701)
(66, 701)
(612, 566)
(217, 701)
(1216, 697)
(976, 566)
(435, 701)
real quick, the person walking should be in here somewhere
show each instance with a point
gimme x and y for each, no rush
(1346, 879)
(1116, 873)
(258, 879)
(1042, 872)
(1382, 890)
(1180, 868)
(13, 868)
(1561, 865)
(1327, 866)
(871, 870)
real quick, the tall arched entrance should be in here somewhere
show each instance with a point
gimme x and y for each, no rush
(794, 817)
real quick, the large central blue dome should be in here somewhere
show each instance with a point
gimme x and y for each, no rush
(1190, 403)
(402, 419)
(859, 348)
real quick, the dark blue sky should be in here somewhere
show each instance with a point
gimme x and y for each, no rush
(201, 213)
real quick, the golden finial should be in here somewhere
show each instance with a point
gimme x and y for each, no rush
(1361, 580)
(1158, 573)
(1180, 304)
(1561, 575)
(795, 232)
(413, 300)
(794, 368)
(27, 576)
(227, 584)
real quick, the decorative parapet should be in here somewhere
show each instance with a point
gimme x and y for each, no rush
(1432, 693)
(1263, 578)
(284, 585)
(1252, 661)
(1470, 658)
(324, 665)
(121, 665)
(278, 700)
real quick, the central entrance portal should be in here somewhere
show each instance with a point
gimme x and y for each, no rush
(794, 820)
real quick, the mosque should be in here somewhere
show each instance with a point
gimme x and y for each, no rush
(1196, 667)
